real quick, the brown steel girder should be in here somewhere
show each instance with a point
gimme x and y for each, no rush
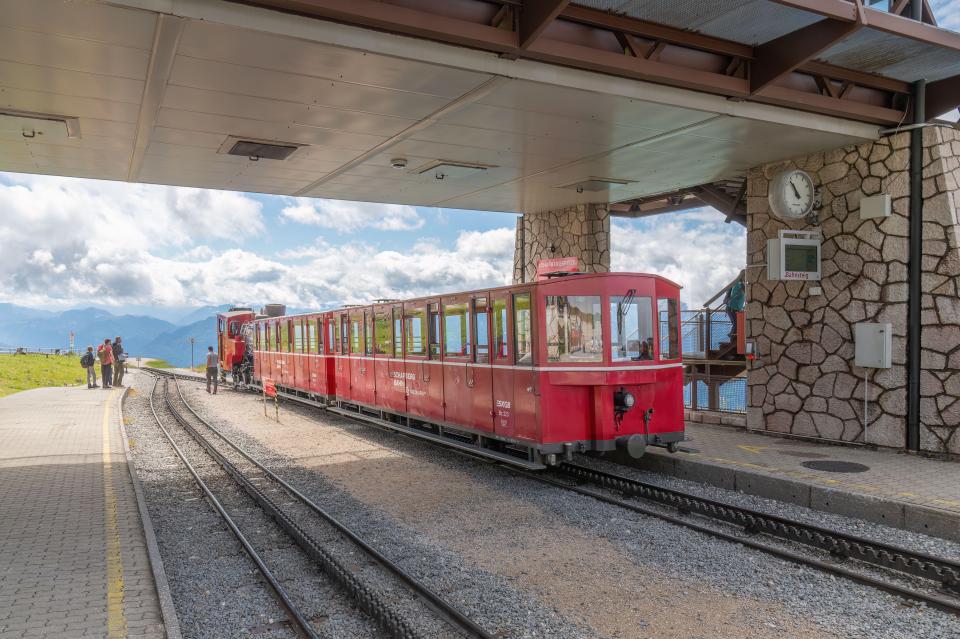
(579, 37)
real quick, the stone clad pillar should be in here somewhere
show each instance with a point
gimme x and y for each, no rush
(804, 381)
(581, 231)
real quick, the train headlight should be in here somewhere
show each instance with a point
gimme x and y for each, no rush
(629, 400)
(623, 401)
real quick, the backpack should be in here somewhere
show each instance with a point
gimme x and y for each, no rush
(86, 360)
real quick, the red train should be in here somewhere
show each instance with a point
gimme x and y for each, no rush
(528, 373)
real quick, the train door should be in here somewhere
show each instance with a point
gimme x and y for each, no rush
(301, 372)
(257, 349)
(388, 358)
(278, 354)
(423, 363)
(460, 375)
(329, 326)
(502, 369)
(359, 390)
(481, 374)
(342, 366)
(525, 381)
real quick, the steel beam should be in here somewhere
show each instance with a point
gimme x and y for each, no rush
(777, 58)
(943, 96)
(536, 16)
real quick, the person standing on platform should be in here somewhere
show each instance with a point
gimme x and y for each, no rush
(734, 300)
(212, 370)
(89, 362)
(119, 359)
(106, 363)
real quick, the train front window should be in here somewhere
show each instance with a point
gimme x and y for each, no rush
(669, 328)
(381, 329)
(574, 331)
(456, 330)
(414, 331)
(631, 328)
(522, 329)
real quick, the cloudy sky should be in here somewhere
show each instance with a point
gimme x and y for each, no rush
(69, 242)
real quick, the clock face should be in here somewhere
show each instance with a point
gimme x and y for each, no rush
(792, 194)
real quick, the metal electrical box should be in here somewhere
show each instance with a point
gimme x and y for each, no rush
(873, 345)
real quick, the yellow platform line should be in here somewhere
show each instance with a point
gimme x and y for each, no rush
(116, 619)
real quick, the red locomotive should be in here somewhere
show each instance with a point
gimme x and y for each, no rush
(528, 373)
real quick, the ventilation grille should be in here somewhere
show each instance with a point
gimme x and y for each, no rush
(258, 149)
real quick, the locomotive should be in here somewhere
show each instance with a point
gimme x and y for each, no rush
(528, 374)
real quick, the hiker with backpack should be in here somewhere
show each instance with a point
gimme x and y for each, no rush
(119, 362)
(88, 361)
(105, 354)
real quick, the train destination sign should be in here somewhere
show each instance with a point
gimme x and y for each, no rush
(554, 265)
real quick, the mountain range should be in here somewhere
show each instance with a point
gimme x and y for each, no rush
(143, 335)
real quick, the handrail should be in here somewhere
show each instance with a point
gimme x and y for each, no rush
(722, 291)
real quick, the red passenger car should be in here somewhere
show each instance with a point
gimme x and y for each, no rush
(527, 373)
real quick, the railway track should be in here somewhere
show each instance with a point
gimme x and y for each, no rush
(915, 576)
(264, 487)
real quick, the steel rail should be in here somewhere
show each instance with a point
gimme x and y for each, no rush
(838, 544)
(444, 608)
(367, 599)
(882, 555)
(302, 626)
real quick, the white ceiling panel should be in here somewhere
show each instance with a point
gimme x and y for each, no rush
(82, 21)
(69, 83)
(72, 106)
(257, 50)
(42, 49)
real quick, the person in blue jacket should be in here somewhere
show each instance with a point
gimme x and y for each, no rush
(734, 300)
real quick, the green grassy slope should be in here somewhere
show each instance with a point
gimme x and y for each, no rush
(23, 372)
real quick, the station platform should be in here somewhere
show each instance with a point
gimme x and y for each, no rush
(76, 558)
(897, 489)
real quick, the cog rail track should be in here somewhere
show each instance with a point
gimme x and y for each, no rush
(366, 598)
(902, 563)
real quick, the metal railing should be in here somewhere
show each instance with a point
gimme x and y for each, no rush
(715, 393)
(704, 331)
(20, 350)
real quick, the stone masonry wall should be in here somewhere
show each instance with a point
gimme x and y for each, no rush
(804, 381)
(581, 231)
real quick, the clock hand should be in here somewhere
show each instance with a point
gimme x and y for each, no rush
(794, 187)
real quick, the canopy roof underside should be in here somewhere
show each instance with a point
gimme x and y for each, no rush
(508, 105)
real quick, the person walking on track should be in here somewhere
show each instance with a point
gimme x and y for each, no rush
(119, 359)
(106, 363)
(89, 362)
(212, 370)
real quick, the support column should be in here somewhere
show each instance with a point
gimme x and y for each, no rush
(581, 231)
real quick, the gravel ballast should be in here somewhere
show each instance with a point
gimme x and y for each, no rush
(527, 560)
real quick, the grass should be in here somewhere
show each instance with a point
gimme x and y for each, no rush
(159, 363)
(23, 372)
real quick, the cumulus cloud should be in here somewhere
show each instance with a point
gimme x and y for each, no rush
(696, 249)
(348, 217)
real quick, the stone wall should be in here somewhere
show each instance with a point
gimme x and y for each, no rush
(804, 381)
(581, 231)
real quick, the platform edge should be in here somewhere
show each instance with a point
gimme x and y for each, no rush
(168, 611)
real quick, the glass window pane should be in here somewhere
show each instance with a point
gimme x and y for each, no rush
(384, 340)
(318, 326)
(414, 325)
(284, 337)
(669, 328)
(356, 333)
(434, 331)
(311, 336)
(631, 328)
(298, 336)
(344, 334)
(456, 330)
(368, 332)
(574, 329)
(331, 334)
(500, 324)
(397, 332)
(268, 337)
(482, 322)
(522, 327)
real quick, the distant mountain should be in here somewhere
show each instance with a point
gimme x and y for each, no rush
(174, 346)
(202, 313)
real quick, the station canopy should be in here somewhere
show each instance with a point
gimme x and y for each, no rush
(509, 105)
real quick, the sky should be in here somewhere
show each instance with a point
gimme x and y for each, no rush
(69, 242)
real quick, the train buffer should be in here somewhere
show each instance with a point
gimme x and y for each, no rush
(76, 557)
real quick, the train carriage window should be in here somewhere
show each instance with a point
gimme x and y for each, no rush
(574, 332)
(368, 332)
(271, 343)
(298, 336)
(381, 329)
(284, 337)
(331, 335)
(356, 333)
(456, 330)
(344, 334)
(434, 331)
(414, 326)
(669, 328)
(311, 337)
(397, 332)
(319, 335)
(260, 337)
(522, 329)
(501, 343)
(631, 328)
(482, 324)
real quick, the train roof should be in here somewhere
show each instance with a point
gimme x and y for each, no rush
(566, 278)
